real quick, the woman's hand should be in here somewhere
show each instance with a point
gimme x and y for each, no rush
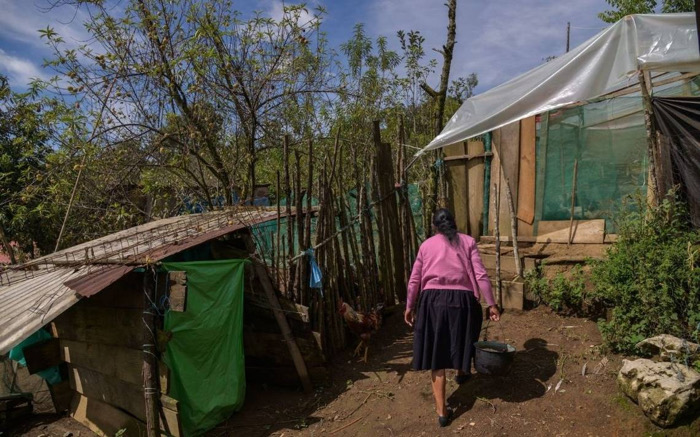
(494, 313)
(408, 317)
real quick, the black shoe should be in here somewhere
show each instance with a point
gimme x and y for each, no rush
(461, 379)
(443, 421)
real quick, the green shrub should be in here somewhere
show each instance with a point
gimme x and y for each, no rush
(651, 276)
(564, 293)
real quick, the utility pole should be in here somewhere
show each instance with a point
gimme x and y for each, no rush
(568, 34)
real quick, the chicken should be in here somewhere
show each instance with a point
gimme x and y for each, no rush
(361, 324)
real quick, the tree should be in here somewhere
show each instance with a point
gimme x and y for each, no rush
(30, 129)
(199, 88)
(462, 88)
(621, 8)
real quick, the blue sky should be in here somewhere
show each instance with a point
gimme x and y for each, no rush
(497, 39)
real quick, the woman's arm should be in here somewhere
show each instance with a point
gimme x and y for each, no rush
(414, 282)
(482, 278)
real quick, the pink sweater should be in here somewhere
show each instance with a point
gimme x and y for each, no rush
(440, 265)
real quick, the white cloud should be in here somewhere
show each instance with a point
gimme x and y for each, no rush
(275, 9)
(19, 71)
(497, 39)
(21, 20)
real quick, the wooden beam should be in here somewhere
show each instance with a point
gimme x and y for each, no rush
(150, 361)
(177, 284)
(281, 318)
(95, 385)
(298, 359)
(526, 183)
(123, 363)
(449, 159)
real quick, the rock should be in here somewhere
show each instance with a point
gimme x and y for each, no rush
(669, 348)
(666, 392)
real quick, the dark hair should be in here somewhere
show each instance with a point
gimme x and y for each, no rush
(444, 222)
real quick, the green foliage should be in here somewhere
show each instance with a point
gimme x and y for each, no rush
(628, 7)
(651, 276)
(564, 293)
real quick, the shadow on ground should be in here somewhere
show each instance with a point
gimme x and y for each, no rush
(524, 382)
(269, 409)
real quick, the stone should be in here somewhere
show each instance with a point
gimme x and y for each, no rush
(666, 392)
(669, 348)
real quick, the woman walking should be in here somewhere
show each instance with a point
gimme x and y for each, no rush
(450, 278)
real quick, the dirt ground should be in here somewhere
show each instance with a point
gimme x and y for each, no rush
(385, 398)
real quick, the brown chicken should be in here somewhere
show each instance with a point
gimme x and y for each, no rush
(361, 324)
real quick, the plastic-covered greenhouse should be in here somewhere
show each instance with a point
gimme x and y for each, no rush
(583, 110)
(608, 141)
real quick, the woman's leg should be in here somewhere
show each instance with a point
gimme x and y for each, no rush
(438, 377)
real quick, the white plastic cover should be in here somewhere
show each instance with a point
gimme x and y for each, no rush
(608, 61)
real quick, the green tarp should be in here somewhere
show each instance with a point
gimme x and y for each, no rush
(205, 353)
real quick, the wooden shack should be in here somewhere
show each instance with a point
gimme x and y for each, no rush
(100, 341)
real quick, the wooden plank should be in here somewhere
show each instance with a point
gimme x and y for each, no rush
(127, 292)
(507, 263)
(457, 200)
(104, 419)
(505, 166)
(43, 355)
(177, 284)
(475, 188)
(120, 394)
(540, 161)
(111, 326)
(610, 238)
(495, 176)
(115, 361)
(583, 231)
(61, 396)
(513, 294)
(261, 273)
(526, 179)
(467, 157)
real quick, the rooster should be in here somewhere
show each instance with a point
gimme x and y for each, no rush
(361, 324)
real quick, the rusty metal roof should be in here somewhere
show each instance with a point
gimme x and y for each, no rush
(35, 293)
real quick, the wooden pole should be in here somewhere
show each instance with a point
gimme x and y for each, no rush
(573, 203)
(513, 229)
(307, 221)
(280, 317)
(149, 370)
(278, 237)
(288, 220)
(497, 234)
(652, 188)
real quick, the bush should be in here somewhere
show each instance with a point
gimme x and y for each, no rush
(651, 276)
(565, 293)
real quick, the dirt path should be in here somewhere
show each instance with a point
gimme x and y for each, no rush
(385, 398)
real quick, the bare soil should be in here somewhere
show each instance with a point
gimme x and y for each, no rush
(385, 398)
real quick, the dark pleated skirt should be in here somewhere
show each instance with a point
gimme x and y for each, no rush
(446, 327)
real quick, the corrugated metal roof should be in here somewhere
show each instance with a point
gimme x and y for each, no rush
(35, 293)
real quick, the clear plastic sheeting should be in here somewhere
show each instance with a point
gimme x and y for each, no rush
(608, 141)
(607, 62)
